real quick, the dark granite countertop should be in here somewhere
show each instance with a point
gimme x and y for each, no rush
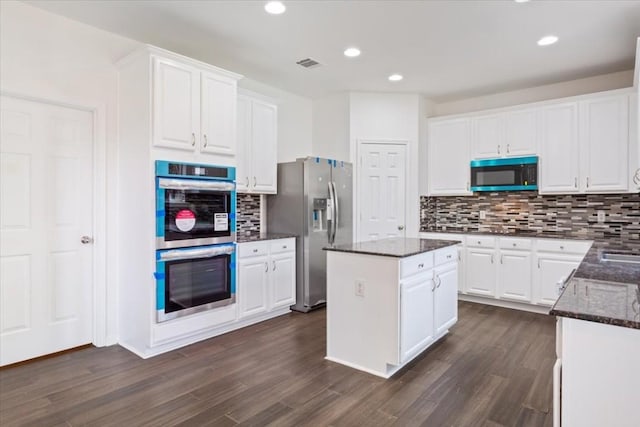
(518, 233)
(257, 236)
(393, 247)
(595, 268)
(600, 301)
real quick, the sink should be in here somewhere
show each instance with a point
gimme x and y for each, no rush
(633, 259)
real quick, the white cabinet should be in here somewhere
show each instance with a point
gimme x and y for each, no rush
(446, 297)
(512, 133)
(604, 136)
(266, 276)
(559, 163)
(416, 314)
(193, 109)
(258, 143)
(514, 277)
(552, 269)
(481, 271)
(448, 157)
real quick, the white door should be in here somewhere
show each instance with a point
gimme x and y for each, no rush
(176, 105)
(604, 137)
(481, 272)
(521, 136)
(559, 152)
(416, 314)
(551, 270)
(449, 156)
(446, 297)
(252, 285)
(382, 191)
(264, 146)
(515, 275)
(243, 135)
(46, 206)
(488, 136)
(218, 115)
(283, 280)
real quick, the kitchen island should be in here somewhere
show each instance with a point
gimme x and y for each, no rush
(388, 300)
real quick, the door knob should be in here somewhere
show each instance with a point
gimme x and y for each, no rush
(401, 227)
(85, 240)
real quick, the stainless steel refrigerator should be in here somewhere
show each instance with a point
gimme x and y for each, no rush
(314, 202)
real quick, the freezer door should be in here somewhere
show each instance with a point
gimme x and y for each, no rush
(342, 176)
(317, 178)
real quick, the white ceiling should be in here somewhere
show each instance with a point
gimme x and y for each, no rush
(446, 50)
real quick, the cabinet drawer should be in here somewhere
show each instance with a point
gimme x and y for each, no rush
(445, 255)
(250, 249)
(481, 241)
(564, 246)
(443, 236)
(416, 264)
(283, 245)
(515, 243)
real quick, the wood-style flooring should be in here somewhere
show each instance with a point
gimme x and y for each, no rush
(493, 369)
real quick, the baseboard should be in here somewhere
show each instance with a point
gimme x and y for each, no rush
(540, 309)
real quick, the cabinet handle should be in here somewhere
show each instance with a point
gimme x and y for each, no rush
(433, 286)
(575, 288)
(498, 148)
(491, 258)
(205, 139)
(255, 181)
(247, 182)
(420, 265)
(508, 148)
(284, 246)
(538, 263)
(479, 242)
(561, 248)
(255, 250)
(449, 256)
(468, 186)
(439, 282)
(266, 266)
(193, 139)
(586, 290)
(274, 266)
(587, 182)
(575, 182)
(459, 257)
(501, 259)
(514, 245)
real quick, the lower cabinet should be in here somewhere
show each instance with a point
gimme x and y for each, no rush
(446, 297)
(551, 270)
(416, 314)
(266, 276)
(481, 271)
(514, 277)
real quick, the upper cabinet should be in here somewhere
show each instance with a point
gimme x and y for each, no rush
(257, 131)
(507, 134)
(193, 109)
(448, 157)
(604, 137)
(559, 164)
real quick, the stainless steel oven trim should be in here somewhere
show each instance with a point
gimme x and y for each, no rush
(163, 317)
(174, 244)
(196, 253)
(193, 184)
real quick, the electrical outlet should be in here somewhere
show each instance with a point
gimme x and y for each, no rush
(601, 216)
(483, 214)
(359, 288)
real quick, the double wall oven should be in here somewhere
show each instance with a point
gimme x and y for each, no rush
(195, 238)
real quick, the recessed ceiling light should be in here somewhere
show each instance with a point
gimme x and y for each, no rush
(547, 40)
(395, 77)
(352, 52)
(275, 7)
(521, 1)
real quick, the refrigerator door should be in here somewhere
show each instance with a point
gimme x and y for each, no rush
(317, 178)
(342, 177)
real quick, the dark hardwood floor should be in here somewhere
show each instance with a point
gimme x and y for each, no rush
(493, 369)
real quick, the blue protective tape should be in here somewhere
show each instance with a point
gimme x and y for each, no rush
(317, 159)
(232, 216)
(232, 264)
(329, 161)
(159, 276)
(160, 213)
(334, 163)
(531, 160)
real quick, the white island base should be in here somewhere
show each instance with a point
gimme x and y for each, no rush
(384, 310)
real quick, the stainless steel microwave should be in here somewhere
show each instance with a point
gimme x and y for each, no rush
(505, 174)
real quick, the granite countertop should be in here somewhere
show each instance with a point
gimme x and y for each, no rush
(600, 301)
(518, 233)
(393, 247)
(255, 236)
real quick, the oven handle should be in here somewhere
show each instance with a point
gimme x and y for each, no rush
(195, 253)
(188, 184)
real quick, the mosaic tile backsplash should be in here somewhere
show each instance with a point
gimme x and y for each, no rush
(248, 211)
(529, 211)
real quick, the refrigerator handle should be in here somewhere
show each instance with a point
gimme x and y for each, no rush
(336, 211)
(330, 217)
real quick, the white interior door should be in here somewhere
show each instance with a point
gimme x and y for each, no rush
(381, 191)
(46, 206)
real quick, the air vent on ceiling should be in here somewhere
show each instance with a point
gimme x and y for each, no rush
(308, 63)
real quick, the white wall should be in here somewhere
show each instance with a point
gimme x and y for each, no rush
(391, 116)
(46, 56)
(587, 85)
(331, 127)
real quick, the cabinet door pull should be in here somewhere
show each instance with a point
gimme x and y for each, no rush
(266, 266)
(514, 245)
(274, 266)
(438, 282)
(498, 148)
(449, 256)
(508, 148)
(459, 257)
(255, 181)
(575, 182)
(247, 182)
(193, 139)
(538, 262)
(255, 250)
(586, 290)
(587, 182)
(284, 246)
(561, 248)
(433, 285)
(491, 258)
(501, 259)
(421, 265)
(468, 186)
(205, 139)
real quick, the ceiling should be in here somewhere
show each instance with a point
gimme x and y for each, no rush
(446, 50)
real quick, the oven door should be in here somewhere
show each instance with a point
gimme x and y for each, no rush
(194, 213)
(193, 280)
